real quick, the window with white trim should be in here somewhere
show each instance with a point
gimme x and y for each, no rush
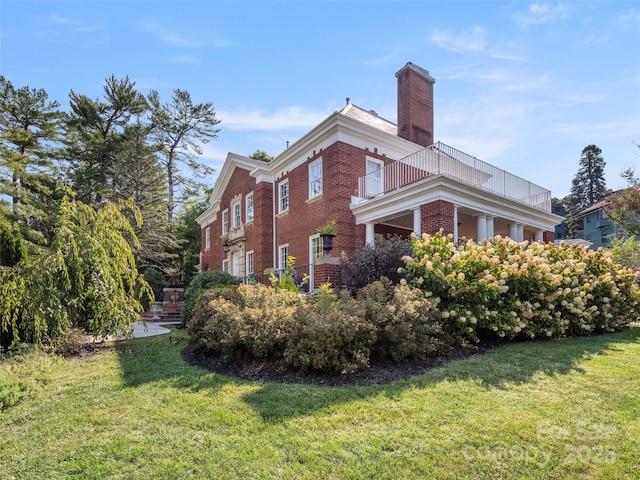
(249, 207)
(237, 217)
(207, 238)
(375, 177)
(316, 247)
(315, 178)
(283, 196)
(283, 254)
(225, 222)
(249, 263)
(225, 266)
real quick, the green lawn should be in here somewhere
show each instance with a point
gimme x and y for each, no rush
(558, 409)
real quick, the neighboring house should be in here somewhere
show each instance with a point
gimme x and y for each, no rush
(597, 227)
(373, 178)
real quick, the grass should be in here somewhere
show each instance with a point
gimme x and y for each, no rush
(559, 409)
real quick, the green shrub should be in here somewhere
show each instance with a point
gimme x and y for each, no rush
(210, 279)
(12, 248)
(330, 334)
(70, 342)
(12, 391)
(248, 321)
(372, 262)
(521, 290)
(157, 282)
(407, 323)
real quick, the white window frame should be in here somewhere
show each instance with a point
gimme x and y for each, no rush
(237, 215)
(249, 263)
(225, 221)
(248, 202)
(315, 252)
(315, 180)
(225, 265)
(283, 201)
(374, 184)
(283, 254)
(207, 238)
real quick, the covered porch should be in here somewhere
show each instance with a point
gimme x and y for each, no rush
(442, 188)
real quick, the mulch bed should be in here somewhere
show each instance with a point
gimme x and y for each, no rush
(379, 373)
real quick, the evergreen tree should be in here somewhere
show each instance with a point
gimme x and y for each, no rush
(180, 128)
(95, 130)
(141, 177)
(189, 234)
(588, 187)
(29, 126)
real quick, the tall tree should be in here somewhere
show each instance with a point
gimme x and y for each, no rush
(189, 233)
(588, 187)
(624, 208)
(95, 131)
(143, 180)
(180, 128)
(29, 126)
(261, 155)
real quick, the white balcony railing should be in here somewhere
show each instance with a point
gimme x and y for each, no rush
(443, 159)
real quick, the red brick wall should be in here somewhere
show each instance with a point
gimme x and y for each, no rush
(415, 106)
(342, 165)
(548, 237)
(435, 216)
(258, 233)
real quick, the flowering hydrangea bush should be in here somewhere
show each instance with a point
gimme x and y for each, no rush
(522, 290)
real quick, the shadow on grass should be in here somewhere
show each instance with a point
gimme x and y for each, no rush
(501, 367)
(158, 359)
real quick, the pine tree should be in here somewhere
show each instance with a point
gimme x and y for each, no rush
(29, 126)
(95, 130)
(180, 128)
(588, 187)
(141, 177)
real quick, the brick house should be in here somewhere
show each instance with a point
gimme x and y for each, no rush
(373, 178)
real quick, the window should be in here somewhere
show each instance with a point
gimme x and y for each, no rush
(237, 219)
(249, 207)
(249, 266)
(316, 247)
(374, 178)
(603, 236)
(225, 222)
(283, 196)
(225, 266)
(207, 238)
(315, 178)
(588, 218)
(283, 251)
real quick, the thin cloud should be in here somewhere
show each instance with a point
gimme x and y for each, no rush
(540, 14)
(471, 41)
(287, 118)
(170, 37)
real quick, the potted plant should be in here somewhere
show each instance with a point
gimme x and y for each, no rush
(327, 232)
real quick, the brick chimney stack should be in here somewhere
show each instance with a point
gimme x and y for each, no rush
(415, 104)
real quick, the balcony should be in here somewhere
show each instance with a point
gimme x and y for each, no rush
(443, 159)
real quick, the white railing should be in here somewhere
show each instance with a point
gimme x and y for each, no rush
(443, 159)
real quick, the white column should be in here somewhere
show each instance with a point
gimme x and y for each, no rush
(539, 236)
(490, 231)
(455, 224)
(369, 236)
(481, 233)
(520, 232)
(417, 222)
(513, 231)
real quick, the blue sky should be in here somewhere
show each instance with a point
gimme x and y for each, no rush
(523, 85)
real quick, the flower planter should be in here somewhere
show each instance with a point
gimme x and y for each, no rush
(327, 242)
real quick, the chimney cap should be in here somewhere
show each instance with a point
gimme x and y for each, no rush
(419, 70)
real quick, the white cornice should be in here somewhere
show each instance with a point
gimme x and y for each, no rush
(232, 162)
